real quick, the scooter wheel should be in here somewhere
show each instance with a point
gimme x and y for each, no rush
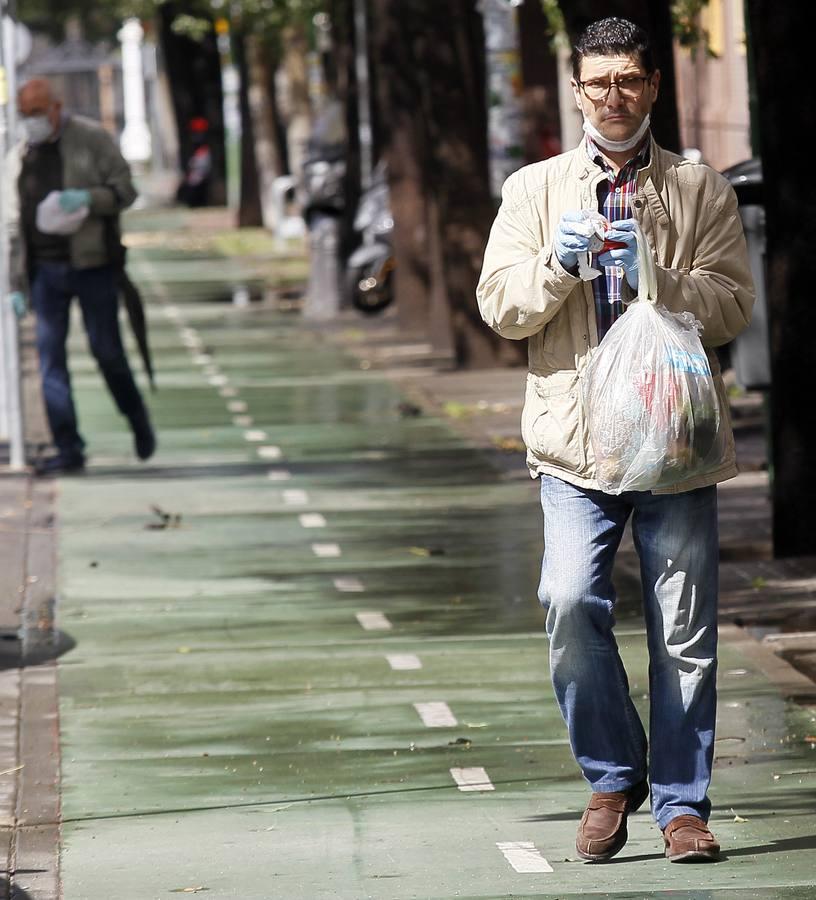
(366, 294)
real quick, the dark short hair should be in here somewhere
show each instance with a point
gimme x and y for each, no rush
(613, 37)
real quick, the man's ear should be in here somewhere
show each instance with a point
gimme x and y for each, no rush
(576, 93)
(655, 84)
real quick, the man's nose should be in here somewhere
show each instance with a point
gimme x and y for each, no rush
(614, 97)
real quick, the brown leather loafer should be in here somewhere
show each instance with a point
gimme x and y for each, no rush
(689, 840)
(602, 832)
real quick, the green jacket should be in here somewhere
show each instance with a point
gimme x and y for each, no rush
(91, 161)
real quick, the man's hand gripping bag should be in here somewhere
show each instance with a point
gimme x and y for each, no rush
(653, 412)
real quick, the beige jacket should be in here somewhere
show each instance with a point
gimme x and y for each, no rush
(688, 214)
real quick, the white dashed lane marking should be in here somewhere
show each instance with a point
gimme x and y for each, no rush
(279, 475)
(255, 436)
(436, 714)
(242, 421)
(295, 497)
(374, 621)
(404, 662)
(237, 406)
(326, 550)
(349, 585)
(523, 857)
(228, 391)
(472, 779)
(218, 380)
(270, 452)
(312, 520)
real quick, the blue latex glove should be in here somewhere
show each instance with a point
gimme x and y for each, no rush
(571, 238)
(624, 231)
(72, 200)
(18, 303)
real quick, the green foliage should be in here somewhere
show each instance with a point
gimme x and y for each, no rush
(686, 25)
(100, 18)
(556, 25)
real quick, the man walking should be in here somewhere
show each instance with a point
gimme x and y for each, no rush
(530, 288)
(76, 161)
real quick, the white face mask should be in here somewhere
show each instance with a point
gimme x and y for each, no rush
(617, 146)
(37, 128)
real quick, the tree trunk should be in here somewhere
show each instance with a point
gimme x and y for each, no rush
(299, 113)
(194, 74)
(249, 203)
(262, 107)
(655, 19)
(433, 115)
(790, 266)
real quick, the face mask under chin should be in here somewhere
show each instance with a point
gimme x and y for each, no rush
(617, 146)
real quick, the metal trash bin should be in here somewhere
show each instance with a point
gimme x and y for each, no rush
(750, 350)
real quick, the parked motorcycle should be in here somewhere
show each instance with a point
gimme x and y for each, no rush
(369, 278)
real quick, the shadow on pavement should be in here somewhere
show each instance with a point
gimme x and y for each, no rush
(39, 647)
(13, 892)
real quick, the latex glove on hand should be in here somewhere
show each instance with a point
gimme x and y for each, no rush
(73, 199)
(17, 299)
(572, 237)
(623, 231)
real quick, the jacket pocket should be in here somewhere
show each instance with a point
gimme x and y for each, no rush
(552, 421)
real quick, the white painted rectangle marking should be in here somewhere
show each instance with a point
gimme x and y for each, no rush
(312, 520)
(295, 497)
(237, 406)
(404, 662)
(472, 779)
(211, 370)
(255, 436)
(349, 585)
(171, 311)
(202, 359)
(374, 621)
(218, 380)
(279, 475)
(436, 714)
(523, 857)
(243, 421)
(228, 391)
(270, 452)
(326, 550)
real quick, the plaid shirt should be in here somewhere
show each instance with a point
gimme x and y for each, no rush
(614, 196)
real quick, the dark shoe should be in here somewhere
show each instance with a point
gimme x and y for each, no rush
(689, 840)
(144, 439)
(602, 832)
(59, 465)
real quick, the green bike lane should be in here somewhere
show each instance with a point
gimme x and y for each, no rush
(309, 660)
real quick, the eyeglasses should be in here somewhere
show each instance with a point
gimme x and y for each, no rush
(630, 87)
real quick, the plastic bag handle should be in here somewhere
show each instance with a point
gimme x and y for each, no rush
(647, 276)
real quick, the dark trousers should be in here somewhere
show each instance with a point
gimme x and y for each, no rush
(53, 288)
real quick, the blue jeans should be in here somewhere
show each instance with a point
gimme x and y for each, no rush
(53, 287)
(676, 539)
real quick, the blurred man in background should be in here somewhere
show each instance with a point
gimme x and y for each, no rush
(72, 183)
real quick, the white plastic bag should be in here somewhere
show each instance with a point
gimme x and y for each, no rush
(52, 219)
(653, 412)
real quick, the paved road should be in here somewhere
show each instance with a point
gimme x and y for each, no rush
(307, 660)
